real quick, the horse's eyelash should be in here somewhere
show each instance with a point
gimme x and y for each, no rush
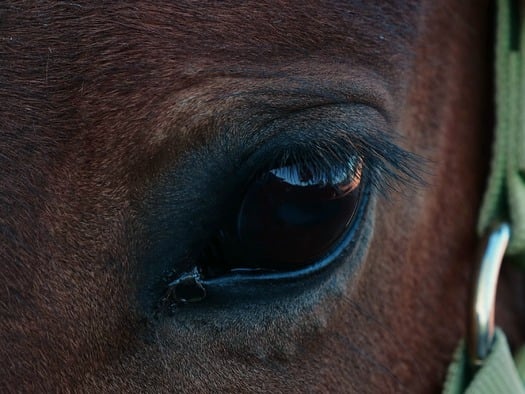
(392, 168)
(386, 166)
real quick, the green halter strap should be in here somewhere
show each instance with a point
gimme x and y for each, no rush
(504, 201)
(505, 196)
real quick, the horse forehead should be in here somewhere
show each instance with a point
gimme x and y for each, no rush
(253, 28)
(114, 68)
(179, 40)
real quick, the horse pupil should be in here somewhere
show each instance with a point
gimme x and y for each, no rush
(287, 221)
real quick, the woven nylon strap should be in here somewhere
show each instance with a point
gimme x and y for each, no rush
(504, 200)
(505, 195)
(500, 373)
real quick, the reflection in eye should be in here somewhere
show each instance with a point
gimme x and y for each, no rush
(290, 218)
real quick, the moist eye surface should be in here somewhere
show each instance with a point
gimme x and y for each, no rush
(289, 218)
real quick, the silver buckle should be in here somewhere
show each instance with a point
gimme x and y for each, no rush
(483, 296)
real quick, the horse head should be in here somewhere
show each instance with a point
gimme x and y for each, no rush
(241, 196)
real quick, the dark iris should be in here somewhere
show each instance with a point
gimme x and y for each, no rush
(289, 219)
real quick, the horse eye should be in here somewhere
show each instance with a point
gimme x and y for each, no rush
(289, 219)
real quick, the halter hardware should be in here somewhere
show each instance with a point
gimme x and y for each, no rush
(483, 296)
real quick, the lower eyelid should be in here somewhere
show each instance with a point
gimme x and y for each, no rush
(344, 261)
(251, 286)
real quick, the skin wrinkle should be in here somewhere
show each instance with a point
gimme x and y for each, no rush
(217, 96)
(89, 121)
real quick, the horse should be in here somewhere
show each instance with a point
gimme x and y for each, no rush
(147, 148)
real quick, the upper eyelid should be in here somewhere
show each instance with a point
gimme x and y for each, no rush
(343, 131)
(233, 120)
(239, 152)
(184, 115)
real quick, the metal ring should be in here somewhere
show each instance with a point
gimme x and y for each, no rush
(481, 326)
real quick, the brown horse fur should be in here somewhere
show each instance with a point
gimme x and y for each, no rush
(100, 101)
